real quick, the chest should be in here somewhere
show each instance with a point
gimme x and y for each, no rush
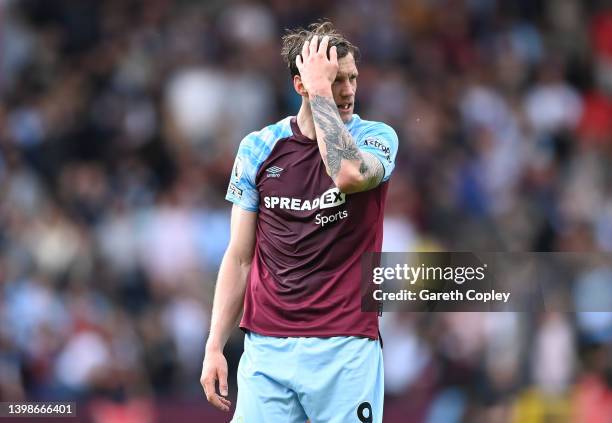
(295, 171)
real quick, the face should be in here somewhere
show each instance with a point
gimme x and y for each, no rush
(345, 87)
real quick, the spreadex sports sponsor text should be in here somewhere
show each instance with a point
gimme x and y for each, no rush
(330, 198)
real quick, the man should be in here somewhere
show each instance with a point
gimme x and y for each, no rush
(308, 196)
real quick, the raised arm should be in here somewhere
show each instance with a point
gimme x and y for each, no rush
(351, 169)
(227, 304)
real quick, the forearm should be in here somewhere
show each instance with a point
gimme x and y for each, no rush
(228, 301)
(335, 142)
(349, 168)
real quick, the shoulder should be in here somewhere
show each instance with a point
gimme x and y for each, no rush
(359, 127)
(255, 148)
(373, 133)
(265, 138)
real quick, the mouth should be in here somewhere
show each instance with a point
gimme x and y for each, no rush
(344, 107)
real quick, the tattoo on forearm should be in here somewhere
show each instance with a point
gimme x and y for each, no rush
(337, 139)
(339, 144)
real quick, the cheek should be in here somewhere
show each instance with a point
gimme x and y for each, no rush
(336, 90)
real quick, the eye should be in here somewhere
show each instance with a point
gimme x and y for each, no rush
(353, 77)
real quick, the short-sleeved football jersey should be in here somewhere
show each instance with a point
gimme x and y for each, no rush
(306, 269)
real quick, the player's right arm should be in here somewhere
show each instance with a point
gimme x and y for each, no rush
(227, 304)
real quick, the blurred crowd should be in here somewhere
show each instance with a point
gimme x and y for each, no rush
(119, 122)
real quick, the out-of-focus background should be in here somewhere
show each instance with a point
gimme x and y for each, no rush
(119, 121)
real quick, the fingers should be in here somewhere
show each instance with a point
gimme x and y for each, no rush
(301, 58)
(220, 402)
(305, 49)
(209, 387)
(333, 55)
(223, 381)
(299, 63)
(211, 395)
(323, 46)
(313, 45)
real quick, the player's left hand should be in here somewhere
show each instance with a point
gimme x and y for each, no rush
(316, 70)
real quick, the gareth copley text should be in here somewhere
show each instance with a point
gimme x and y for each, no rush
(428, 295)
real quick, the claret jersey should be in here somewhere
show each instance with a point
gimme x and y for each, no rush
(306, 269)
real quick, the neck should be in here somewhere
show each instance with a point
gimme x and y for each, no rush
(304, 120)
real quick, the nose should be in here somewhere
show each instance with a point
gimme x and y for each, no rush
(347, 89)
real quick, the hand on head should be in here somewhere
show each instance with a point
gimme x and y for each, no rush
(317, 71)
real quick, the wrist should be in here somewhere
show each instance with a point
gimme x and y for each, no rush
(321, 91)
(213, 346)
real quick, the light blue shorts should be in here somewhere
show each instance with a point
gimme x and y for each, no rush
(338, 379)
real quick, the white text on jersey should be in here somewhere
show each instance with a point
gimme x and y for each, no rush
(330, 198)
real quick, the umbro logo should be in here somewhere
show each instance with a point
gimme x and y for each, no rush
(274, 171)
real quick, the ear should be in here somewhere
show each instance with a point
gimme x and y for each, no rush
(298, 85)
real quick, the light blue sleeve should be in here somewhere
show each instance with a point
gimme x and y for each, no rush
(381, 141)
(242, 190)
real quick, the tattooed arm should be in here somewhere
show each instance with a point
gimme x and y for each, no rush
(351, 170)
